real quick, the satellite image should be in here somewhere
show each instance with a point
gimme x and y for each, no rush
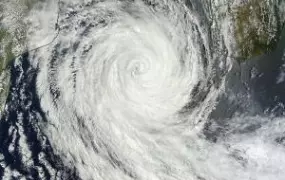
(142, 89)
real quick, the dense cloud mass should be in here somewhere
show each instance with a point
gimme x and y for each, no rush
(136, 90)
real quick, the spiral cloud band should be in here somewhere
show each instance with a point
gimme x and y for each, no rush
(127, 87)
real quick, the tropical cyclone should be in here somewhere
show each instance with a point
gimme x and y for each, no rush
(118, 86)
(113, 84)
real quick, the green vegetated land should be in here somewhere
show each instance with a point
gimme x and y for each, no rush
(257, 28)
(29, 3)
(6, 55)
(11, 39)
(6, 45)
